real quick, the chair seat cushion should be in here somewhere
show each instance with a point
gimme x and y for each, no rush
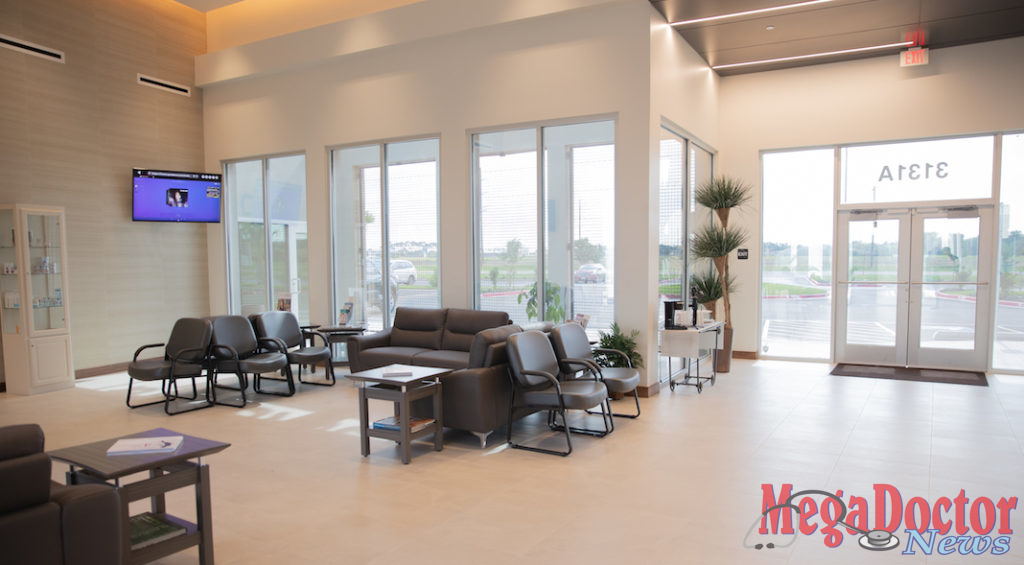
(442, 358)
(381, 356)
(159, 369)
(620, 379)
(309, 354)
(259, 363)
(578, 395)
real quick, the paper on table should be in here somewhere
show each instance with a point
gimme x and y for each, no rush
(136, 445)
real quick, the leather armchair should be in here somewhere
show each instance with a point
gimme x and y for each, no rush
(44, 523)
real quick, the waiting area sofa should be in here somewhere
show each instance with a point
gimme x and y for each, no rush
(472, 342)
(43, 522)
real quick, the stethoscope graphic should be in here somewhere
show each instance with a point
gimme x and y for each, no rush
(873, 540)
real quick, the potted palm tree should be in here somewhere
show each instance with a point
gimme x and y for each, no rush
(716, 242)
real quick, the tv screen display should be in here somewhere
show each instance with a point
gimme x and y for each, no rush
(175, 196)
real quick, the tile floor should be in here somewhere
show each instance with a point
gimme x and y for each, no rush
(681, 484)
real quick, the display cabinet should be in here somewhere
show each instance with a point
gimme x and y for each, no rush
(33, 299)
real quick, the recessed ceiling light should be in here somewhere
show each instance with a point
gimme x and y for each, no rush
(750, 12)
(814, 55)
(769, 28)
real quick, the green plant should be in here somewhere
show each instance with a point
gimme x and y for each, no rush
(710, 241)
(708, 285)
(493, 275)
(553, 309)
(619, 341)
(722, 193)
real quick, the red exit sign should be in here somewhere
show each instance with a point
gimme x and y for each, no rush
(914, 57)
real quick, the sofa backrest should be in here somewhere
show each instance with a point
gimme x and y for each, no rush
(24, 468)
(488, 348)
(418, 327)
(462, 326)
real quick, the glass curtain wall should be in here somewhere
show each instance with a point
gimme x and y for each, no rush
(385, 228)
(671, 192)
(1008, 345)
(268, 268)
(506, 193)
(570, 218)
(796, 253)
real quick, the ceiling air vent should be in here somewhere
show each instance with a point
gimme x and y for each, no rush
(29, 48)
(164, 85)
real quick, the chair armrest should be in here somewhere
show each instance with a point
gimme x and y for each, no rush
(144, 347)
(91, 523)
(25, 480)
(230, 350)
(314, 333)
(358, 343)
(275, 344)
(588, 366)
(548, 376)
(177, 356)
(614, 351)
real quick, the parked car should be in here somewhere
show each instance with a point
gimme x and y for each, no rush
(404, 271)
(373, 286)
(590, 273)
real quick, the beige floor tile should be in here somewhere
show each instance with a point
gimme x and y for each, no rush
(680, 484)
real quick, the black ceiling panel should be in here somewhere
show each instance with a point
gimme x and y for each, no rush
(835, 26)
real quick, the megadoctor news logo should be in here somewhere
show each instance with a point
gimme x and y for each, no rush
(948, 526)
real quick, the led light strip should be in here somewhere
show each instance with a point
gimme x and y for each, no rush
(749, 12)
(814, 55)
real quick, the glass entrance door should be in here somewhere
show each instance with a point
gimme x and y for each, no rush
(872, 282)
(909, 285)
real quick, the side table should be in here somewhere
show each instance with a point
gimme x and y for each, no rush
(340, 334)
(90, 463)
(422, 382)
(688, 344)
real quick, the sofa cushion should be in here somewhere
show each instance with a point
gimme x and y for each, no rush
(462, 325)
(442, 358)
(381, 356)
(418, 327)
(484, 339)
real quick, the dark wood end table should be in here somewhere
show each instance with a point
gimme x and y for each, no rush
(423, 382)
(90, 463)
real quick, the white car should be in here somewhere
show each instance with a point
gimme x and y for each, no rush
(403, 271)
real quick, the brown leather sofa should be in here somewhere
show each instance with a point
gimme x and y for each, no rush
(472, 342)
(43, 522)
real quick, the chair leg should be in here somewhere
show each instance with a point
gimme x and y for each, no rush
(606, 419)
(128, 398)
(636, 399)
(328, 371)
(568, 435)
(289, 380)
(242, 385)
(195, 395)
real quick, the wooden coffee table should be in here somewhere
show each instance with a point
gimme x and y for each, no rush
(423, 382)
(167, 471)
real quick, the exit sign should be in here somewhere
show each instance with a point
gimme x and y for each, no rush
(914, 57)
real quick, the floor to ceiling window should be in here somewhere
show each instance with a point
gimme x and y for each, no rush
(796, 253)
(385, 228)
(554, 230)
(1008, 349)
(268, 267)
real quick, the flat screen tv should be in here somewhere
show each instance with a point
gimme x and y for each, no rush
(175, 196)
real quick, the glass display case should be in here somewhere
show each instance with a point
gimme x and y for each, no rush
(33, 305)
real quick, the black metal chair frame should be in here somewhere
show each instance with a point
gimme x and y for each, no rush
(328, 367)
(243, 380)
(594, 369)
(172, 381)
(609, 424)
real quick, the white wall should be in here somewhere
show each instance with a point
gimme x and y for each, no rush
(524, 65)
(974, 88)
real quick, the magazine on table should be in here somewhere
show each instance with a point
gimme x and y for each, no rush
(137, 445)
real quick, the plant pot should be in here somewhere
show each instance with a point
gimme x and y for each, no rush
(725, 353)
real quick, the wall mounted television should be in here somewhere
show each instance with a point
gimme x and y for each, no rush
(175, 196)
